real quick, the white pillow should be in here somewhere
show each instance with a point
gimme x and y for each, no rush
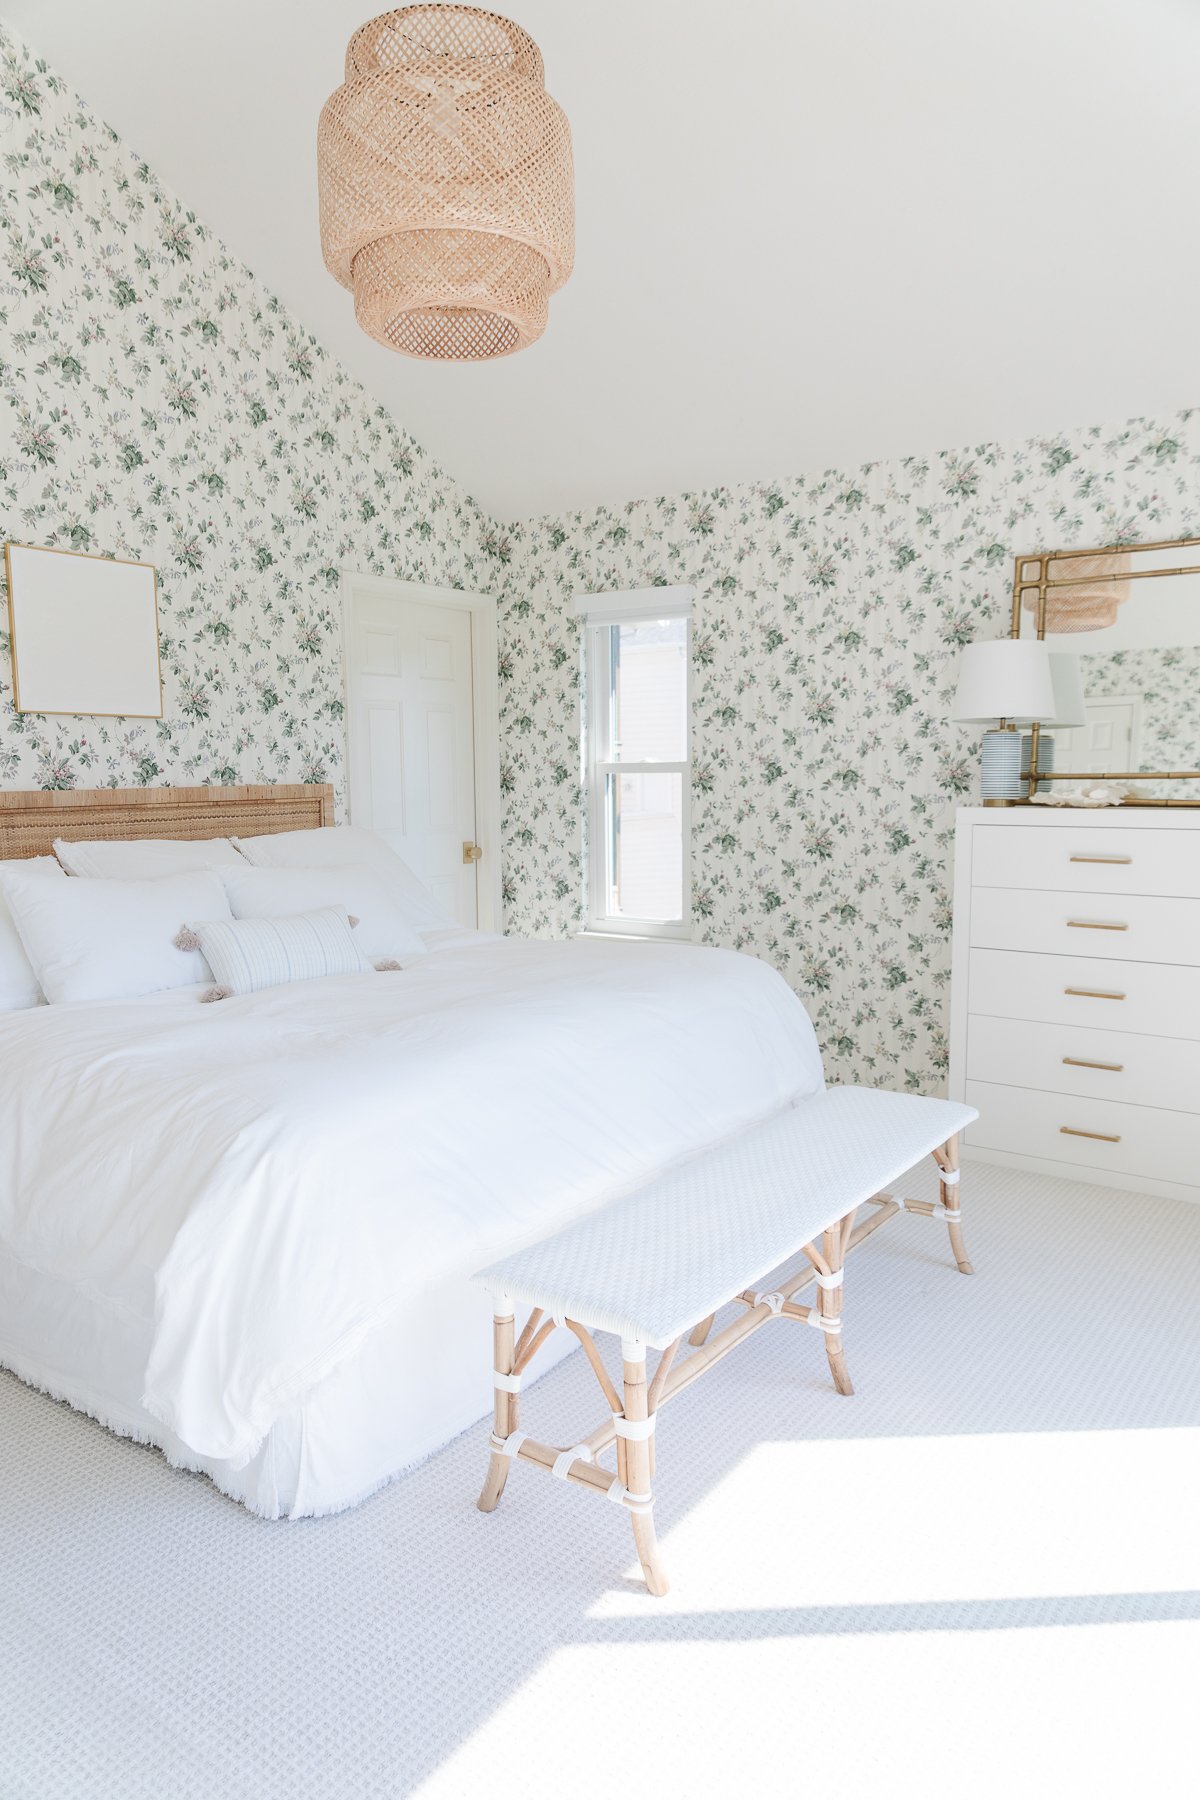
(143, 859)
(333, 846)
(248, 954)
(381, 931)
(111, 940)
(18, 984)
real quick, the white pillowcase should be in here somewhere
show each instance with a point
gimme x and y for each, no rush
(143, 859)
(19, 985)
(246, 955)
(381, 931)
(112, 940)
(333, 846)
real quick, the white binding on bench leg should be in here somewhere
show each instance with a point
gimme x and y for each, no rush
(951, 1177)
(774, 1301)
(561, 1466)
(822, 1322)
(951, 1214)
(621, 1496)
(511, 1445)
(508, 1384)
(828, 1282)
(635, 1430)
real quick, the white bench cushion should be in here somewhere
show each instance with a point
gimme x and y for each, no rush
(649, 1266)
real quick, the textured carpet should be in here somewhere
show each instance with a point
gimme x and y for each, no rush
(979, 1576)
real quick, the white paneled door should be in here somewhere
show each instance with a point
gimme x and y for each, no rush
(412, 750)
(1107, 743)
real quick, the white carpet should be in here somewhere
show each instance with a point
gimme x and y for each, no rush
(979, 1576)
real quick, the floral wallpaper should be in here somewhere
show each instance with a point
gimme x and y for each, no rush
(826, 772)
(157, 403)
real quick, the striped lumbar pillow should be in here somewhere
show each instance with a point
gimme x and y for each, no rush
(247, 954)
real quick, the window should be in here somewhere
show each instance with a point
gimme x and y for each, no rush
(638, 760)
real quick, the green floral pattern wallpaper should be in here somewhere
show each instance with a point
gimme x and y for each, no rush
(830, 612)
(157, 403)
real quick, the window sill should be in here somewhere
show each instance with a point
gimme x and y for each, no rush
(682, 936)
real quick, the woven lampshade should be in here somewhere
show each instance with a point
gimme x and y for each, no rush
(446, 184)
(1083, 606)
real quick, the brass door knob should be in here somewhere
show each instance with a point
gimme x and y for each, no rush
(472, 852)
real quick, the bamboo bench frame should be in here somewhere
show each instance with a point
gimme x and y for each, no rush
(633, 1412)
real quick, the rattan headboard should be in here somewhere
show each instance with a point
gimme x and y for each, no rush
(30, 822)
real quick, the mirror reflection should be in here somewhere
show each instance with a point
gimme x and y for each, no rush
(1133, 620)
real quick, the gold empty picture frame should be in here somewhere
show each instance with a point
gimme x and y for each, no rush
(84, 634)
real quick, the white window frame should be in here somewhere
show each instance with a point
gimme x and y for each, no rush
(600, 612)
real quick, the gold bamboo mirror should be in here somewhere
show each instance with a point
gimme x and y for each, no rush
(1130, 614)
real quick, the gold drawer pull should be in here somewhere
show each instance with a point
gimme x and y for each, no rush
(1094, 993)
(1094, 925)
(1080, 1062)
(1077, 856)
(1104, 1137)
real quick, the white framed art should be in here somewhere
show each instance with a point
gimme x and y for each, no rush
(84, 633)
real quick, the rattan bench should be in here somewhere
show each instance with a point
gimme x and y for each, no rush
(657, 1265)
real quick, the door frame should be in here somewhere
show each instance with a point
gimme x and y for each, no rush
(485, 709)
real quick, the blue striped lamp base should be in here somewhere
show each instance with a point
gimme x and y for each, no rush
(1001, 768)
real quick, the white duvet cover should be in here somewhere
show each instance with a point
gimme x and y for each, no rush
(262, 1184)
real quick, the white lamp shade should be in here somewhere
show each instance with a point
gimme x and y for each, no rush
(1069, 707)
(1005, 678)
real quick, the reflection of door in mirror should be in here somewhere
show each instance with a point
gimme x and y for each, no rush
(1111, 738)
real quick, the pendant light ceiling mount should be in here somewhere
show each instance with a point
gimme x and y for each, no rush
(446, 184)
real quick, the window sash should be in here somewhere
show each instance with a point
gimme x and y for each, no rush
(602, 766)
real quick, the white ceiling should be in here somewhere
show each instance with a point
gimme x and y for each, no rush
(810, 232)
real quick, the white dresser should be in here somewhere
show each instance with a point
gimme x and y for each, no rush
(1075, 996)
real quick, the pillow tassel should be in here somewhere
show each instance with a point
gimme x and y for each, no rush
(387, 963)
(215, 993)
(186, 939)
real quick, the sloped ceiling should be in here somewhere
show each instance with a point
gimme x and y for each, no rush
(811, 232)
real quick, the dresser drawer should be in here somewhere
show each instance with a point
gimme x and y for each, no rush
(1127, 927)
(1081, 990)
(1080, 860)
(1077, 1059)
(1132, 1141)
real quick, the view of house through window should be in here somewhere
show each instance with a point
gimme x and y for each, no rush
(638, 687)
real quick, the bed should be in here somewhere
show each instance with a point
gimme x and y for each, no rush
(234, 1231)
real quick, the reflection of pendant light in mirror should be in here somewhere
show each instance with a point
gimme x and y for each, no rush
(446, 184)
(1087, 604)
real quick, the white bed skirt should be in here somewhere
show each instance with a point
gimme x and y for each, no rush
(376, 1416)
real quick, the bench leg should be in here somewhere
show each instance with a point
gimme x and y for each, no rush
(700, 1332)
(830, 1302)
(505, 1412)
(637, 1470)
(947, 1161)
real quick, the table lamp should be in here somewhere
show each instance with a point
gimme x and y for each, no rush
(1009, 679)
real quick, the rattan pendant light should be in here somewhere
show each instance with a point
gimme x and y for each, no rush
(446, 185)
